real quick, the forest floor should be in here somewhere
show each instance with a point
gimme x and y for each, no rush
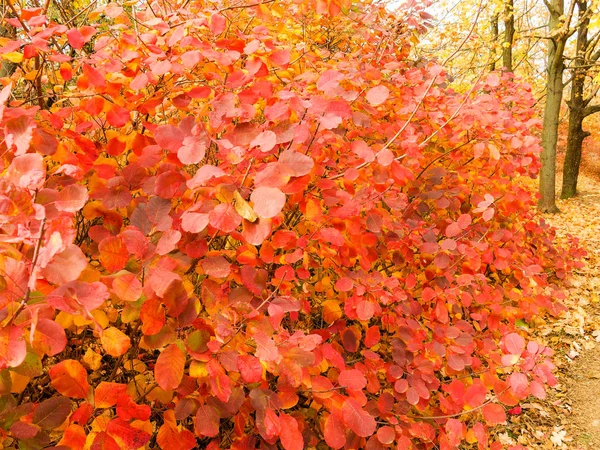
(570, 416)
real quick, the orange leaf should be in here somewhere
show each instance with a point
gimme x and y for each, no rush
(115, 342)
(168, 371)
(69, 378)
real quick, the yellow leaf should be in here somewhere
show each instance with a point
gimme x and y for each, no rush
(92, 359)
(243, 208)
(198, 369)
(14, 57)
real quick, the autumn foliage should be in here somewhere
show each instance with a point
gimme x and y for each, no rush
(243, 225)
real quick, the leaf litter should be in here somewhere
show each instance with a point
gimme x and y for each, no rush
(569, 418)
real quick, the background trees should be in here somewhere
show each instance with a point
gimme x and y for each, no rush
(242, 224)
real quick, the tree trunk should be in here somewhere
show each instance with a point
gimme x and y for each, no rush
(554, 92)
(577, 108)
(509, 33)
(573, 155)
(494, 26)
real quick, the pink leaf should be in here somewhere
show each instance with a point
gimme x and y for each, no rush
(66, 266)
(49, 337)
(297, 164)
(268, 202)
(265, 140)
(168, 242)
(192, 151)
(169, 137)
(377, 95)
(12, 347)
(72, 198)
(514, 343)
(224, 218)
(18, 133)
(27, 171)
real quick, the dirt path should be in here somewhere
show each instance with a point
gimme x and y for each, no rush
(570, 417)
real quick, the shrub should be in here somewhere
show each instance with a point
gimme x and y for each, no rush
(260, 224)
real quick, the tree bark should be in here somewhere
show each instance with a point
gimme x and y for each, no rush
(494, 26)
(578, 109)
(509, 34)
(554, 92)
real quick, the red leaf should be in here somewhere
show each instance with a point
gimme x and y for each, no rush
(216, 266)
(169, 137)
(219, 381)
(152, 316)
(169, 368)
(266, 350)
(290, 436)
(107, 394)
(335, 431)
(94, 77)
(272, 424)
(118, 116)
(127, 409)
(359, 421)
(256, 233)
(250, 368)
(217, 24)
(494, 414)
(224, 218)
(207, 421)
(169, 184)
(280, 58)
(454, 432)
(168, 242)
(76, 39)
(268, 202)
(475, 394)
(115, 342)
(386, 435)
(344, 284)
(103, 441)
(129, 437)
(352, 379)
(52, 413)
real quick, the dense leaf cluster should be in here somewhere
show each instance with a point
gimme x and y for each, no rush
(250, 225)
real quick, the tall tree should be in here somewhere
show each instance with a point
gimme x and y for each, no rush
(559, 33)
(586, 55)
(509, 35)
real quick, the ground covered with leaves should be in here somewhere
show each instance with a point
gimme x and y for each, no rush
(570, 417)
